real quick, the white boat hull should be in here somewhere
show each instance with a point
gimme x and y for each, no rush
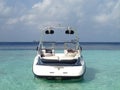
(58, 71)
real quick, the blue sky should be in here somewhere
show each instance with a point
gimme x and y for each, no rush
(95, 20)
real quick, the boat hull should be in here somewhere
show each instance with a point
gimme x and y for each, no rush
(74, 71)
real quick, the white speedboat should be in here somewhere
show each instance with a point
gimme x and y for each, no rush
(59, 59)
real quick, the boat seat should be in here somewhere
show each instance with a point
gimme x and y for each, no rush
(50, 57)
(70, 53)
(66, 58)
(47, 52)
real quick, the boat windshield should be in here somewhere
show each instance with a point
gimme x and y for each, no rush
(60, 45)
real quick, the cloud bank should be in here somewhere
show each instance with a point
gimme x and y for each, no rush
(91, 17)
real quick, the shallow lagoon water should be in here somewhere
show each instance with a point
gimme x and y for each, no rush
(103, 72)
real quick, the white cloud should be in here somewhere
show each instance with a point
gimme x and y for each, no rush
(103, 18)
(66, 11)
(93, 17)
(109, 13)
(4, 10)
(12, 21)
(42, 5)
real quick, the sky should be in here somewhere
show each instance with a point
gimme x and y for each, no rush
(95, 20)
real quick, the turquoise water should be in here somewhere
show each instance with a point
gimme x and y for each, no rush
(103, 72)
